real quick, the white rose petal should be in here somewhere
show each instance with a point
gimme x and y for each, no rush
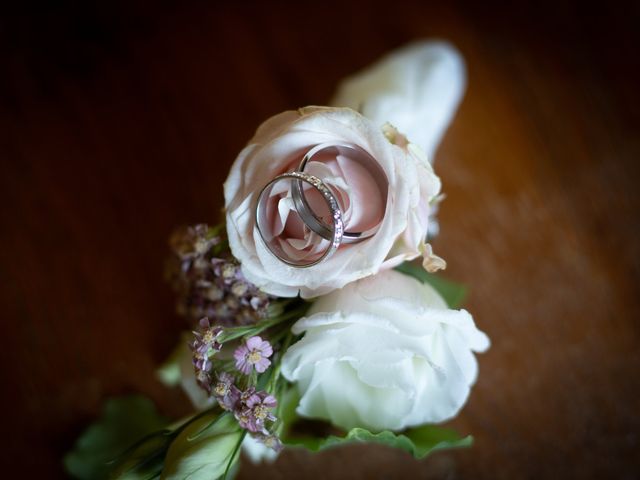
(417, 88)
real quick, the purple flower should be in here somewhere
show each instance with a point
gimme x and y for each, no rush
(204, 346)
(255, 352)
(207, 338)
(246, 420)
(255, 410)
(209, 281)
(189, 242)
(201, 361)
(269, 440)
(225, 391)
(245, 395)
(261, 404)
(203, 378)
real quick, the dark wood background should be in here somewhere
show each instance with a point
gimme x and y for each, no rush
(119, 122)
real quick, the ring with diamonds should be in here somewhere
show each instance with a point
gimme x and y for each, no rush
(354, 153)
(276, 200)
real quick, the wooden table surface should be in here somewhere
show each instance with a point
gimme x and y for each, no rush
(118, 123)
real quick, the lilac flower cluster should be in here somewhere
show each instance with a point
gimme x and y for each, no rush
(236, 392)
(209, 282)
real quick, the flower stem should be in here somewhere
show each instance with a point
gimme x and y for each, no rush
(251, 330)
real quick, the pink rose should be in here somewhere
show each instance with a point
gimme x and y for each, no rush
(278, 147)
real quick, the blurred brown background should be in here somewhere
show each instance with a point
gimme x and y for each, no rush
(119, 122)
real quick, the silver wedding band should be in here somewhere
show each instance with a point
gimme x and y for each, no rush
(334, 233)
(314, 223)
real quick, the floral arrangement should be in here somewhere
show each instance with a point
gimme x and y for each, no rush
(316, 299)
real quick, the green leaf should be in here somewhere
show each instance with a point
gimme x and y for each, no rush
(124, 421)
(418, 442)
(453, 293)
(287, 404)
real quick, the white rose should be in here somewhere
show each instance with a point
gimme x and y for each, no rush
(278, 147)
(384, 353)
(417, 88)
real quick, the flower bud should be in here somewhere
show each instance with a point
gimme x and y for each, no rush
(142, 460)
(203, 450)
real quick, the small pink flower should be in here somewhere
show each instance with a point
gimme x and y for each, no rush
(255, 352)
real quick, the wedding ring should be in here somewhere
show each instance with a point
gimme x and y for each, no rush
(302, 206)
(268, 202)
